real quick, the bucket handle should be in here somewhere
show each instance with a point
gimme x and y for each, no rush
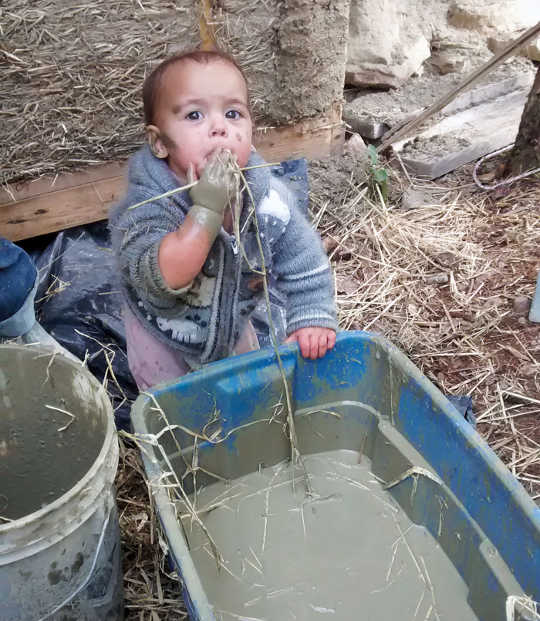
(87, 579)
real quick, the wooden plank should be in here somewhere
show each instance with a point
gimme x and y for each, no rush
(463, 137)
(62, 209)
(312, 138)
(20, 191)
(53, 204)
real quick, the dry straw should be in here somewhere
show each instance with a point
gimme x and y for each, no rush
(444, 282)
(72, 74)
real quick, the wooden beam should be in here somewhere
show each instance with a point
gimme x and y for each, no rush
(312, 138)
(71, 199)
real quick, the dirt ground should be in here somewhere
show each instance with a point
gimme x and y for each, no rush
(444, 270)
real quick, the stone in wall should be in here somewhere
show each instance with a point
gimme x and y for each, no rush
(498, 22)
(386, 43)
(391, 41)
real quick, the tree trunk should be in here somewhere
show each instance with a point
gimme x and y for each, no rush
(526, 152)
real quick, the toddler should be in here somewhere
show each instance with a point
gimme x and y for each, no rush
(188, 288)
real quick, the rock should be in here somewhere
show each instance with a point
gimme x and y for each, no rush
(452, 61)
(359, 121)
(470, 15)
(438, 279)
(500, 21)
(521, 305)
(487, 17)
(413, 198)
(531, 50)
(386, 46)
(356, 148)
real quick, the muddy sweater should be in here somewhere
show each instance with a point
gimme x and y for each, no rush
(204, 320)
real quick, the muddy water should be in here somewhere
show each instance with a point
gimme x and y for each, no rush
(348, 552)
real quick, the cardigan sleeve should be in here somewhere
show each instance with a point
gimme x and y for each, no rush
(136, 236)
(303, 273)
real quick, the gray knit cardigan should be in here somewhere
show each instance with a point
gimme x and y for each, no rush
(205, 319)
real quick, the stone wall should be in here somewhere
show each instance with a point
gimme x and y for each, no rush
(390, 41)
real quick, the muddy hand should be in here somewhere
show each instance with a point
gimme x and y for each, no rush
(213, 192)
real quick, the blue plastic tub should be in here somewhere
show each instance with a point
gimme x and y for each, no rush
(365, 398)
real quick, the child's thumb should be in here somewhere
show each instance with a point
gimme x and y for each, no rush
(191, 176)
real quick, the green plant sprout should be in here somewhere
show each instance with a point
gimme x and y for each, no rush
(377, 174)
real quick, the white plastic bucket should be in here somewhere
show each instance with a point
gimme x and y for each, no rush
(59, 535)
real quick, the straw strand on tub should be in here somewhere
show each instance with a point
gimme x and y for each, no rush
(525, 603)
(296, 457)
(177, 487)
(170, 481)
(415, 472)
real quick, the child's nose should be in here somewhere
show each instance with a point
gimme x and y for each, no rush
(218, 127)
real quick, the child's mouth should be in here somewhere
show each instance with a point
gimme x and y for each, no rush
(217, 150)
(206, 158)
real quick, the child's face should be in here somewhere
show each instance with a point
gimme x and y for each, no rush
(200, 108)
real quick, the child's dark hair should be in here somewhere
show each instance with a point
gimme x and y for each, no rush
(152, 83)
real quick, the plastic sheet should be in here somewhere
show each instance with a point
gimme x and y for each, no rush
(79, 304)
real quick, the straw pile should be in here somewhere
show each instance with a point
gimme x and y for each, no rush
(72, 72)
(445, 282)
(72, 76)
(450, 283)
(150, 591)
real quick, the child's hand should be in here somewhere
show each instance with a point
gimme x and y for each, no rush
(216, 184)
(213, 192)
(313, 342)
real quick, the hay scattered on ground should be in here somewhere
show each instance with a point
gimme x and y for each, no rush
(450, 283)
(151, 590)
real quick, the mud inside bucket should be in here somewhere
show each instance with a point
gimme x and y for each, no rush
(59, 539)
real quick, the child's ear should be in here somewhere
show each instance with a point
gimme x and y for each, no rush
(155, 142)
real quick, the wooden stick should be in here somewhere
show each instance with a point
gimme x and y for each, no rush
(402, 132)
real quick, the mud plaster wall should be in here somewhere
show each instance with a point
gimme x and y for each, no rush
(294, 53)
(72, 72)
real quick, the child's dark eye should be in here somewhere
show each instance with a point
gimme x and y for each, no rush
(194, 116)
(232, 114)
